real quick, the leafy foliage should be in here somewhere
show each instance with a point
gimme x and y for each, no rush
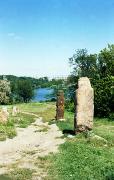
(4, 91)
(106, 61)
(25, 90)
(100, 69)
(84, 64)
(103, 96)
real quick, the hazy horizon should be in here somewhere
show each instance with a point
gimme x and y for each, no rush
(37, 37)
(36, 77)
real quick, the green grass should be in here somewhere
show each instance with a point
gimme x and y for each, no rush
(7, 130)
(83, 161)
(24, 120)
(44, 110)
(79, 158)
(83, 158)
(105, 129)
(43, 128)
(18, 174)
(68, 124)
(5, 177)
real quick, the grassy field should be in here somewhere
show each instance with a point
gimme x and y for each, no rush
(8, 130)
(45, 110)
(81, 157)
(84, 157)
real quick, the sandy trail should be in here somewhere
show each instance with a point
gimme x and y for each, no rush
(30, 139)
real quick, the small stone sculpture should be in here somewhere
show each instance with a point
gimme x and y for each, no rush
(60, 106)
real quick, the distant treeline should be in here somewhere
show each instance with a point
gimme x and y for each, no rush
(42, 82)
(15, 89)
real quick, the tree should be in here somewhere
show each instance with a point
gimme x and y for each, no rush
(5, 91)
(84, 64)
(25, 90)
(106, 61)
(100, 69)
(103, 99)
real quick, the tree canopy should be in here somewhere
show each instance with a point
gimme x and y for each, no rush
(100, 69)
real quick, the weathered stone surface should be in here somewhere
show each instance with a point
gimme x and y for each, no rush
(84, 106)
(4, 115)
(60, 106)
(15, 111)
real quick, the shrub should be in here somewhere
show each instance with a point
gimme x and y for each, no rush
(103, 96)
(4, 91)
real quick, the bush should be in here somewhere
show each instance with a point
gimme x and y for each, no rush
(69, 106)
(103, 96)
(25, 90)
(5, 91)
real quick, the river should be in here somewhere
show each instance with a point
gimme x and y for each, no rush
(42, 94)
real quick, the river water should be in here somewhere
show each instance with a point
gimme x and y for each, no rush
(42, 94)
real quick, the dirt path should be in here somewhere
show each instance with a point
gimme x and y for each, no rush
(39, 139)
(24, 112)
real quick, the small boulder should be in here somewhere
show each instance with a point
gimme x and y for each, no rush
(15, 111)
(4, 114)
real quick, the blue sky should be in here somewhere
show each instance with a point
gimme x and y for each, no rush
(38, 36)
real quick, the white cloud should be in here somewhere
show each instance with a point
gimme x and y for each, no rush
(17, 37)
(14, 36)
(11, 34)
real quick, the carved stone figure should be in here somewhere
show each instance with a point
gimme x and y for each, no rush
(60, 106)
(84, 111)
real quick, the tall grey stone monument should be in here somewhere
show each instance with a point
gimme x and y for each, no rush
(84, 111)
